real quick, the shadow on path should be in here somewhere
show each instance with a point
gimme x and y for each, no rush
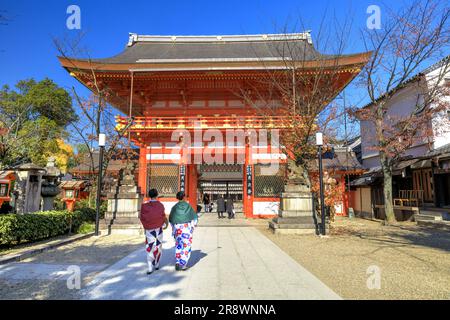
(196, 256)
(127, 279)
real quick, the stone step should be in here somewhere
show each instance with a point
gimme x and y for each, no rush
(275, 225)
(427, 217)
(126, 226)
(294, 213)
(437, 213)
(442, 214)
(122, 229)
(122, 220)
(294, 220)
(442, 225)
(298, 229)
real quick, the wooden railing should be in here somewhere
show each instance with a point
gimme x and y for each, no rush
(191, 123)
(409, 198)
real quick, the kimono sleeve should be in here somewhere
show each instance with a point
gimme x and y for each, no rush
(172, 211)
(194, 214)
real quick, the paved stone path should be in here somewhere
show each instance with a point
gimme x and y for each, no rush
(226, 263)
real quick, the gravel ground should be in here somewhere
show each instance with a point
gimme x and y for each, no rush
(102, 249)
(97, 253)
(27, 246)
(414, 261)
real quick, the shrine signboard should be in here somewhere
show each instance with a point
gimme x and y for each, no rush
(183, 178)
(249, 174)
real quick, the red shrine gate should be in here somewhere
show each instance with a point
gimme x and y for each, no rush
(179, 88)
(232, 167)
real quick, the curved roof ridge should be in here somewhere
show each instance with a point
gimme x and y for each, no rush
(134, 37)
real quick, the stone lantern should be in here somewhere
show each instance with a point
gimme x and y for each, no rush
(49, 189)
(72, 191)
(28, 188)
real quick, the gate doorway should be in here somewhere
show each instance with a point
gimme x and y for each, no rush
(222, 179)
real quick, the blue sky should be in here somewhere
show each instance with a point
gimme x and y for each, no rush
(27, 49)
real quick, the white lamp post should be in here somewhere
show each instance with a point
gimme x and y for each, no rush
(319, 143)
(101, 144)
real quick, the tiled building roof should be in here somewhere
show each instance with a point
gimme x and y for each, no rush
(234, 48)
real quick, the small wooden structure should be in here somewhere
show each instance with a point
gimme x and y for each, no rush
(409, 198)
(72, 191)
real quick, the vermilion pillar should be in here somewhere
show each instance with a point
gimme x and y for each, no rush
(192, 185)
(142, 178)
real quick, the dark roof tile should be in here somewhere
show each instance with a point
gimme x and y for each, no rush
(257, 47)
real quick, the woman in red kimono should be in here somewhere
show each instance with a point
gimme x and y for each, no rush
(154, 220)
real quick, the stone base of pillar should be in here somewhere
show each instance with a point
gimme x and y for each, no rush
(122, 229)
(296, 214)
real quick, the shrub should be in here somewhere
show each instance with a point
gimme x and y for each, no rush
(86, 227)
(87, 214)
(15, 229)
(59, 205)
(84, 205)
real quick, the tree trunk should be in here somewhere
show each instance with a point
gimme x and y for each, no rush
(387, 189)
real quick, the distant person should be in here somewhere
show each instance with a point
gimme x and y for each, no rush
(153, 220)
(206, 202)
(220, 207)
(183, 220)
(230, 208)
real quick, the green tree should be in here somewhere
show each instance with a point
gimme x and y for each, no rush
(32, 118)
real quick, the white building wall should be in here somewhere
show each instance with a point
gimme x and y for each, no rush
(441, 121)
(400, 105)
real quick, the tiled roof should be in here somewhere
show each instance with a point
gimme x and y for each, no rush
(73, 184)
(4, 174)
(153, 49)
(343, 161)
(416, 77)
(443, 151)
(114, 164)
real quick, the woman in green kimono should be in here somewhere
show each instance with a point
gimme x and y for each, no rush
(183, 220)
